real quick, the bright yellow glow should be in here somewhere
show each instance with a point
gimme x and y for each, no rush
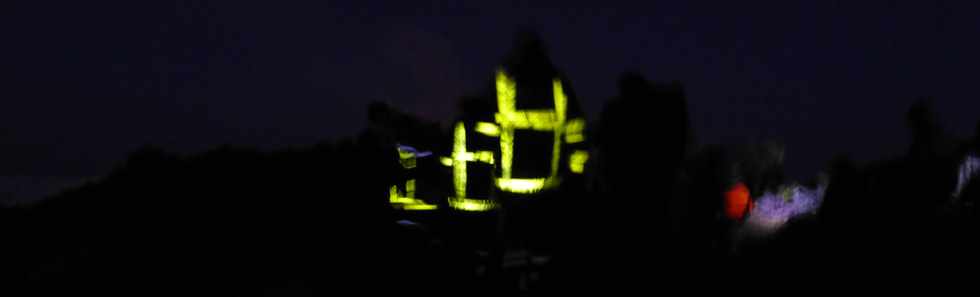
(506, 94)
(393, 195)
(407, 200)
(576, 162)
(467, 204)
(509, 119)
(575, 130)
(537, 120)
(402, 200)
(488, 129)
(521, 185)
(484, 156)
(446, 161)
(561, 102)
(459, 161)
(459, 158)
(413, 204)
(410, 188)
(406, 158)
(420, 207)
(576, 125)
(561, 106)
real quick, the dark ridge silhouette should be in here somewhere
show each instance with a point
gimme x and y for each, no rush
(313, 219)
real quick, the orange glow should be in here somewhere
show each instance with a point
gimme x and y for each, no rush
(737, 202)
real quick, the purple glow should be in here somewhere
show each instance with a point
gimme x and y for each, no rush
(414, 151)
(773, 210)
(968, 170)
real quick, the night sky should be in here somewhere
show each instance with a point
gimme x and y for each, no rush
(84, 83)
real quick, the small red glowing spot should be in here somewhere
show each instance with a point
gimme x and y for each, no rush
(737, 202)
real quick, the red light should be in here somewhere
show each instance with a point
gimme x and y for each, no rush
(737, 202)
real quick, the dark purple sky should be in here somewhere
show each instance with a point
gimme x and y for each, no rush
(85, 83)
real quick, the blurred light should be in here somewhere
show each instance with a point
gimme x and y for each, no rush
(510, 119)
(968, 170)
(406, 158)
(407, 200)
(414, 151)
(420, 206)
(466, 204)
(773, 210)
(488, 129)
(576, 163)
(459, 158)
(408, 155)
(506, 94)
(575, 130)
(522, 185)
(537, 120)
(737, 201)
(483, 156)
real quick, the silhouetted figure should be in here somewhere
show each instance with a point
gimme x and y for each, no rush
(704, 229)
(533, 76)
(641, 144)
(921, 121)
(931, 162)
(533, 218)
(642, 138)
(531, 121)
(846, 210)
(905, 197)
